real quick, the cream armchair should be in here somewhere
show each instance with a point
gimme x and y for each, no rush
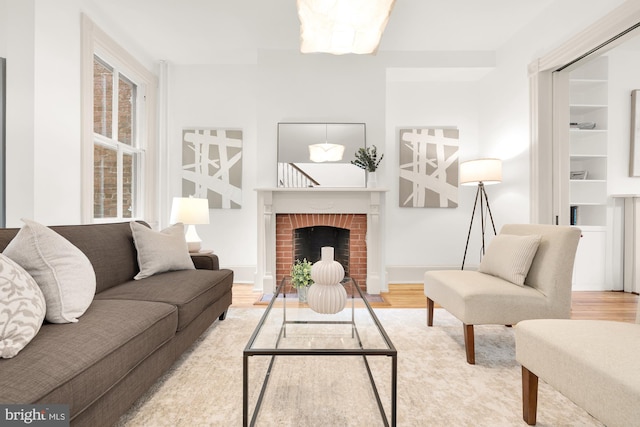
(525, 274)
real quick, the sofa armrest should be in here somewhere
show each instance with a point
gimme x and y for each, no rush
(206, 261)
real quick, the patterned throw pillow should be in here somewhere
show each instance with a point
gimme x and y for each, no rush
(160, 251)
(22, 308)
(63, 272)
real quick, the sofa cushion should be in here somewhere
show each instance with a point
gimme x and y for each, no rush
(161, 251)
(65, 274)
(192, 291)
(76, 363)
(22, 308)
(509, 257)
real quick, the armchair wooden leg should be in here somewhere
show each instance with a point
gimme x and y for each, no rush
(529, 396)
(469, 344)
(429, 312)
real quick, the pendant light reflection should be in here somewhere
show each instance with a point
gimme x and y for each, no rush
(326, 152)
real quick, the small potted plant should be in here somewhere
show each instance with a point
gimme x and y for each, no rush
(367, 159)
(301, 278)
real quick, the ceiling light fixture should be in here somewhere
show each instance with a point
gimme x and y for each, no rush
(342, 26)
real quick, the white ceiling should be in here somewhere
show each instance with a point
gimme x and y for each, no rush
(207, 31)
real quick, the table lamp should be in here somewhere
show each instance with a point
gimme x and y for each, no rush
(190, 211)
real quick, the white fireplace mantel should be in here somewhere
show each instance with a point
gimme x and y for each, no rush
(320, 200)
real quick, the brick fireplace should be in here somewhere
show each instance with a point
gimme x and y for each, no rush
(353, 256)
(286, 209)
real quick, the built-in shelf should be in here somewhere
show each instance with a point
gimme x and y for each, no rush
(588, 151)
(588, 102)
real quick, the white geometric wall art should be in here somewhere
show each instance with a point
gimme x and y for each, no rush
(428, 168)
(212, 166)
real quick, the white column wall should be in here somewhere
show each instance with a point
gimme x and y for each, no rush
(20, 130)
(418, 238)
(3, 28)
(219, 96)
(57, 119)
(43, 111)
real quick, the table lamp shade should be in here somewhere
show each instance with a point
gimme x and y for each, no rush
(487, 171)
(189, 210)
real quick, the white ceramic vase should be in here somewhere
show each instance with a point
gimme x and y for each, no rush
(372, 179)
(327, 295)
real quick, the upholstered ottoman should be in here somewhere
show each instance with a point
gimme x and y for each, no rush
(593, 363)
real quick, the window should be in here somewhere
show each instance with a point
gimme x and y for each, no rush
(118, 132)
(117, 157)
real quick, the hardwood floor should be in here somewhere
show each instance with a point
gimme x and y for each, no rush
(618, 306)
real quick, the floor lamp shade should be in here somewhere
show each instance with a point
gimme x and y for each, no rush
(190, 211)
(487, 171)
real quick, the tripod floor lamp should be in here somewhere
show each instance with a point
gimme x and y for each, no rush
(480, 172)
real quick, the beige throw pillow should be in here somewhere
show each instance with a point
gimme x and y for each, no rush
(509, 257)
(160, 251)
(22, 308)
(65, 274)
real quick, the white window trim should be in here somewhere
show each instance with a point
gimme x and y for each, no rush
(96, 41)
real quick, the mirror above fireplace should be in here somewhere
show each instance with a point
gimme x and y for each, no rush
(320, 154)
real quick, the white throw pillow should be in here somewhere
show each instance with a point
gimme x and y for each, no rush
(509, 257)
(65, 274)
(22, 308)
(160, 251)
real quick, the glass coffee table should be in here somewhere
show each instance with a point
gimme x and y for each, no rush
(289, 330)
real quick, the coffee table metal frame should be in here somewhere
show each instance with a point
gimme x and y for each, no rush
(249, 351)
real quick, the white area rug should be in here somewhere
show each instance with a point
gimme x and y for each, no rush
(436, 387)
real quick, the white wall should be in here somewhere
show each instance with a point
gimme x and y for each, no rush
(20, 129)
(434, 237)
(287, 86)
(624, 76)
(41, 41)
(222, 96)
(43, 111)
(3, 28)
(56, 140)
(504, 114)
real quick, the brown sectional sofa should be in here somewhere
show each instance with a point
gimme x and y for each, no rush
(131, 334)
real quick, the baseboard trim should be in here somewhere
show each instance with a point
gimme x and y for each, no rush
(412, 273)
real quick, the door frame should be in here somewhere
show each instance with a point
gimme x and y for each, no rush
(549, 190)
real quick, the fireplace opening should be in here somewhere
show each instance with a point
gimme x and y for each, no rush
(308, 241)
(350, 251)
